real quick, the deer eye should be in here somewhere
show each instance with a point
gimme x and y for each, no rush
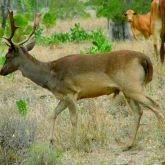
(9, 50)
(9, 53)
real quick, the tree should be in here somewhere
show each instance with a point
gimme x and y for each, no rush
(5, 4)
(113, 10)
(48, 19)
(67, 8)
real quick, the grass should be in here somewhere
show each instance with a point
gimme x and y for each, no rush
(101, 120)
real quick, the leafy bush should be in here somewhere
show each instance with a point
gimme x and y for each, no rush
(2, 60)
(42, 154)
(1, 32)
(24, 29)
(16, 137)
(100, 43)
(78, 33)
(20, 20)
(48, 19)
(68, 9)
(22, 107)
(114, 9)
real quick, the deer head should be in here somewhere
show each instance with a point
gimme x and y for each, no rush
(16, 51)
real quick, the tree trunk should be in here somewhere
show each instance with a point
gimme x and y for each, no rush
(108, 23)
(46, 4)
(119, 30)
(23, 7)
(4, 6)
(36, 6)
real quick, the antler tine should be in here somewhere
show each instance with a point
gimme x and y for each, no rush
(36, 23)
(13, 27)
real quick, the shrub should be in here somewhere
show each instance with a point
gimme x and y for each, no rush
(24, 29)
(1, 32)
(22, 106)
(100, 43)
(42, 154)
(16, 136)
(48, 19)
(78, 33)
(2, 60)
(20, 20)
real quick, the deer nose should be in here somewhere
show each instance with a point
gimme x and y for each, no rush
(2, 72)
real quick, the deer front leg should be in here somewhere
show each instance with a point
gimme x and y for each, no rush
(60, 107)
(71, 103)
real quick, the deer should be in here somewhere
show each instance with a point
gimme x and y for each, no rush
(76, 77)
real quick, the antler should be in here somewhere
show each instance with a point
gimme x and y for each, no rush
(36, 23)
(13, 27)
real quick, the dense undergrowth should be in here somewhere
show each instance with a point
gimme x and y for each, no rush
(77, 34)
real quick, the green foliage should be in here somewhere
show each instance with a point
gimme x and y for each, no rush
(16, 136)
(22, 106)
(1, 32)
(20, 20)
(68, 8)
(100, 43)
(2, 55)
(2, 60)
(48, 19)
(42, 154)
(78, 33)
(7, 29)
(61, 37)
(114, 9)
(24, 28)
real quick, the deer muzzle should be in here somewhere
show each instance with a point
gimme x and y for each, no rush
(2, 72)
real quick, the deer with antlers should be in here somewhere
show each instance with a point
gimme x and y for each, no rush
(75, 77)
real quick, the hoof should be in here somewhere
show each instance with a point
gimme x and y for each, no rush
(127, 148)
(123, 146)
(51, 144)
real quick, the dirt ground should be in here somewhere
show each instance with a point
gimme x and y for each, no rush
(101, 120)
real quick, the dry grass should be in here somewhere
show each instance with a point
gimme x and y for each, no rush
(88, 24)
(101, 120)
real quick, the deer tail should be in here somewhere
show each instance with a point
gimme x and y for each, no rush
(148, 68)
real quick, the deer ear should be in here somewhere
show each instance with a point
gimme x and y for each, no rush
(30, 46)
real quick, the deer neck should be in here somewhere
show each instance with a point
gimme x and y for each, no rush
(35, 70)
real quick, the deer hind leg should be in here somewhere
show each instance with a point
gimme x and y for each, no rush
(152, 105)
(71, 103)
(60, 107)
(137, 110)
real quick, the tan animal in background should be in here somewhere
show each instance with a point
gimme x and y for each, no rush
(76, 77)
(140, 23)
(158, 27)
